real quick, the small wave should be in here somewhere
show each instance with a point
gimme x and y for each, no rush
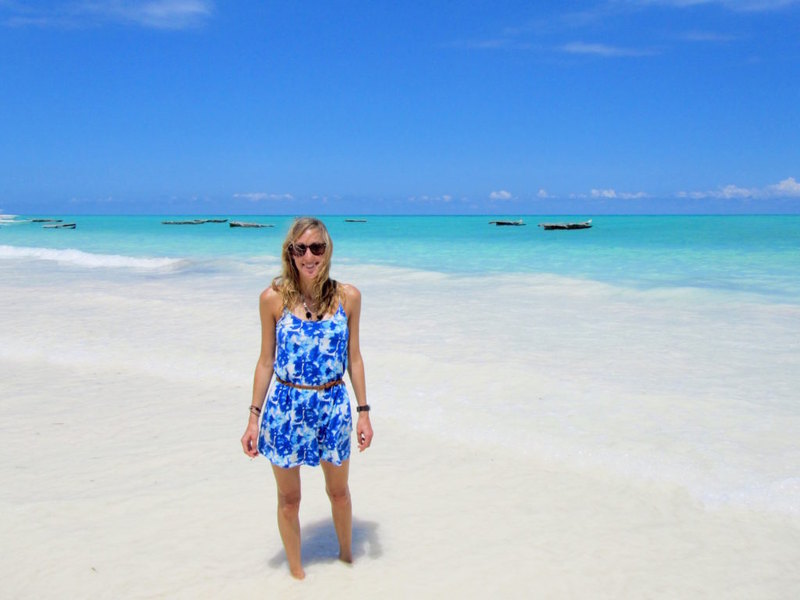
(86, 259)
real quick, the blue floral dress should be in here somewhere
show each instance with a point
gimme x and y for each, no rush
(302, 427)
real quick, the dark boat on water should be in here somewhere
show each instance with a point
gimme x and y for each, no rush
(517, 223)
(47, 220)
(246, 224)
(60, 226)
(194, 222)
(551, 226)
(355, 220)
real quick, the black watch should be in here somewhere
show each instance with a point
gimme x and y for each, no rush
(362, 408)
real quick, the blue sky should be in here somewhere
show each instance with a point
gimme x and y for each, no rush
(490, 107)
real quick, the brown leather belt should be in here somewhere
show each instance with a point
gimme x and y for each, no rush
(301, 386)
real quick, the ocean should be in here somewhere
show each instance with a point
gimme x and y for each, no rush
(656, 348)
(739, 254)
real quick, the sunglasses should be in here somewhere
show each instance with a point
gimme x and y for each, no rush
(317, 249)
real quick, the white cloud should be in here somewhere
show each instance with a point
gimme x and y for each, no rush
(542, 193)
(263, 196)
(500, 195)
(157, 14)
(489, 44)
(603, 50)
(528, 35)
(98, 200)
(738, 5)
(427, 198)
(161, 14)
(611, 193)
(707, 36)
(788, 188)
(733, 191)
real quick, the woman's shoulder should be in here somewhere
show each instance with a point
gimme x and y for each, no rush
(351, 297)
(350, 291)
(271, 300)
(270, 294)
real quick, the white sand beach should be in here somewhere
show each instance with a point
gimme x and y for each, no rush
(535, 437)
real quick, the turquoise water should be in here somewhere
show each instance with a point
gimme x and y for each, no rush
(756, 254)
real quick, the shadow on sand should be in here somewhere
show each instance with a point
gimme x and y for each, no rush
(320, 545)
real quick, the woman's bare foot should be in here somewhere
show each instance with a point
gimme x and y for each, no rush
(298, 573)
(346, 557)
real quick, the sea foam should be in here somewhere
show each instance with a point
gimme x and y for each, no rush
(70, 256)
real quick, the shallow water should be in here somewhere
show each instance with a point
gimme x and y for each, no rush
(751, 254)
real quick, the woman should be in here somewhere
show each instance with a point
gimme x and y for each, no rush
(309, 336)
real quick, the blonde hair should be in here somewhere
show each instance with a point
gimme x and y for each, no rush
(326, 293)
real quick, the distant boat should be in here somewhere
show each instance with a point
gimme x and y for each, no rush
(60, 226)
(517, 223)
(216, 220)
(47, 220)
(355, 220)
(192, 222)
(583, 225)
(245, 224)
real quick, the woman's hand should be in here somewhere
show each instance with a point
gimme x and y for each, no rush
(250, 440)
(363, 431)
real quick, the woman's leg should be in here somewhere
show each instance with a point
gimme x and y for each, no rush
(341, 508)
(288, 482)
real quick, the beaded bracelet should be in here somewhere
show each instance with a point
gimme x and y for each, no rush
(255, 410)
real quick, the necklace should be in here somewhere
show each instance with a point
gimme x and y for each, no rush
(308, 311)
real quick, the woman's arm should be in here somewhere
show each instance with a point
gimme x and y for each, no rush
(355, 366)
(269, 307)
